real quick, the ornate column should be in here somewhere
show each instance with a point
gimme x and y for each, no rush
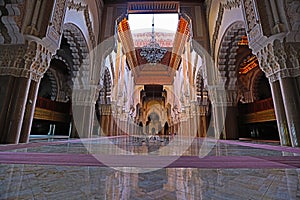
(24, 65)
(280, 63)
(277, 51)
(289, 71)
(268, 64)
(40, 64)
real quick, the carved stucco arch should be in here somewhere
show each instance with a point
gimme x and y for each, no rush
(227, 54)
(63, 93)
(54, 84)
(79, 52)
(254, 84)
(103, 58)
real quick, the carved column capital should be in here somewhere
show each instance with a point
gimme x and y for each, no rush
(38, 59)
(29, 60)
(279, 60)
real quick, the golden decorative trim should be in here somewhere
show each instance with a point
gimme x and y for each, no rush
(243, 41)
(248, 65)
(44, 114)
(261, 116)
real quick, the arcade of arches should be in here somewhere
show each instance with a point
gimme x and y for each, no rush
(82, 57)
(226, 78)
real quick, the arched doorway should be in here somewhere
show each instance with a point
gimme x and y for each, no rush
(166, 129)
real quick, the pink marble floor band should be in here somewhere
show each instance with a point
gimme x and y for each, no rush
(150, 161)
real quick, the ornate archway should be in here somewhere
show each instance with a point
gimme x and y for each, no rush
(227, 54)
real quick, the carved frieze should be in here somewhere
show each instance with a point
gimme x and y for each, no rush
(253, 26)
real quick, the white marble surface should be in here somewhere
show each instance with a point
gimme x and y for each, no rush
(28, 181)
(68, 182)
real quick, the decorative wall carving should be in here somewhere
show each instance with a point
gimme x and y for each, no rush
(85, 9)
(58, 15)
(19, 18)
(250, 14)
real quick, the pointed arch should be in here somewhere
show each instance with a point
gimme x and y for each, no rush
(227, 62)
(79, 52)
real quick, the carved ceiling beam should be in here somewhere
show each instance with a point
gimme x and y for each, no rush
(181, 37)
(126, 39)
(153, 7)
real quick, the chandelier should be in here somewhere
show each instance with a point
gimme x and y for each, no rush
(152, 52)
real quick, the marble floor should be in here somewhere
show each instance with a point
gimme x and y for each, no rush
(142, 168)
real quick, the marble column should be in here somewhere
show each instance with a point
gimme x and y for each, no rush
(15, 110)
(291, 101)
(6, 85)
(280, 114)
(29, 112)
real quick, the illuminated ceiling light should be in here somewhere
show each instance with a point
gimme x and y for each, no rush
(152, 52)
(248, 65)
(243, 41)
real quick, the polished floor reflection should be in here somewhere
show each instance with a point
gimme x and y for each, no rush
(77, 169)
